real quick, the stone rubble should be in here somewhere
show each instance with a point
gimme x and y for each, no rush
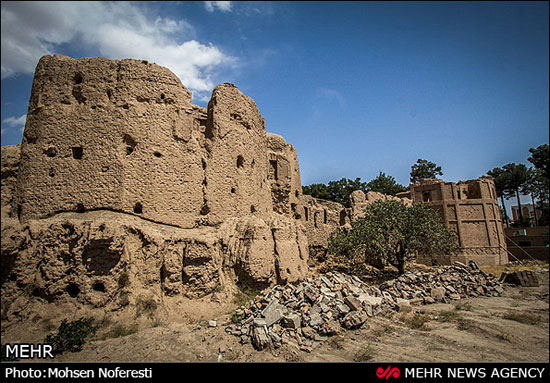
(306, 313)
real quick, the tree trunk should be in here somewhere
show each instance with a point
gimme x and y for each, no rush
(519, 207)
(506, 219)
(534, 209)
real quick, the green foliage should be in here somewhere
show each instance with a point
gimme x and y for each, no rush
(540, 158)
(337, 191)
(393, 232)
(120, 330)
(386, 185)
(71, 336)
(522, 317)
(418, 322)
(244, 295)
(424, 169)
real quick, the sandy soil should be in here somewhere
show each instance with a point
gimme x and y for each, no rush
(469, 330)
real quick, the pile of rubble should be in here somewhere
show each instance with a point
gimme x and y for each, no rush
(314, 309)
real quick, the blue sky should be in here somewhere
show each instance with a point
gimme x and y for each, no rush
(356, 87)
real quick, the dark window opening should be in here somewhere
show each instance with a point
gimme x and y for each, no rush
(138, 209)
(342, 217)
(130, 144)
(77, 79)
(51, 152)
(297, 194)
(427, 196)
(99, 286)
(80, 208)
(73, 290)
(306, 214)
(273, 174)
(77, 152)
(325, 218)
(240, 161)
(157, 154)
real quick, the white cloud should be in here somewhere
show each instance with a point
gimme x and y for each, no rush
(224, 6)
(116, 29)
(332, 95)
(13, 122)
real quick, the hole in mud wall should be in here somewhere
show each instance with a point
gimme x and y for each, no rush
(78, 151)
(162, 96)
(273, 173)
(205, 209)
(162, 276)
(205, 182)
(296, 194)
(138, 208)
(109, 93)
(342, 217)
(252, 209)
(99, 286)
(130, 144)
(157, 154)
(51, 152)
(240, 161)
(77, 79)
(315, 218)
(51, 172)
(80, 208)
(98, 258)
(203, 164)
(306, 213)
(233, 190)
(73, 290)
(325, 218)
(253, 163)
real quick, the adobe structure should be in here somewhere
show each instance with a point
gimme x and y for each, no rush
(470, 210)
(122, 187)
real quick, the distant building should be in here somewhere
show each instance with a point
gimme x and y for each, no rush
(528, 211)
(470, 210)
(528, 243)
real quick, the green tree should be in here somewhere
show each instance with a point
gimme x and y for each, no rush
(337, 191)
(540, 157)
(500, 178)
(393, 232)
(424, 169)
(518, 176)
(385, 184)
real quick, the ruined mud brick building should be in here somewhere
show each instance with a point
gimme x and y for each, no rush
(122, 186)
(471, 211)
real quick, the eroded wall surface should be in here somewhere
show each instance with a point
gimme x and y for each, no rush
(119, 177)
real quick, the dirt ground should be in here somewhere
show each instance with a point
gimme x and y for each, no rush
(512, 327)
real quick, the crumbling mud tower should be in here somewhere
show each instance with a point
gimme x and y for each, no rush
(470, 210)
(121, 186)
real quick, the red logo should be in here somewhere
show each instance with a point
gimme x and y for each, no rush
(388, 372)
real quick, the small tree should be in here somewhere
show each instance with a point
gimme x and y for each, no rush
(393, 232)
(424, 169)
(385, 184)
